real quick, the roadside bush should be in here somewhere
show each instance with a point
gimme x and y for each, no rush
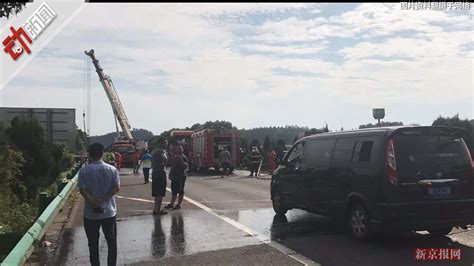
(14, 215)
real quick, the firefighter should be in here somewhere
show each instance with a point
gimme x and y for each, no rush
(255, 158)
(118, 160)
(225, 160)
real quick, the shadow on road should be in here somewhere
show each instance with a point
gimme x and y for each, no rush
(323, 241)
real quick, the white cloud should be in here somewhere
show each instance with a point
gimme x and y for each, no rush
(288, 49)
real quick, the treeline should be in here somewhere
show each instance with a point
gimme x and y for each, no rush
(108, 139)
(382, 124)
(28, 165)
(286, 133)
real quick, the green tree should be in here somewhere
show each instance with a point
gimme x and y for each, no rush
(80, 141)
(27, 135)
(15, 214)
(244, 144)
(382, 124)
(11, 165)
(196, 126)
(267, 144)
(280, 149)
(10, 8)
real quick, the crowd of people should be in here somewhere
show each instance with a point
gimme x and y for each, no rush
(99, 181)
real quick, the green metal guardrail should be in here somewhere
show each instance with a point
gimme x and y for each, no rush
(23, 249)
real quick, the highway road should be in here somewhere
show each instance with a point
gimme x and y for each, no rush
(230, 221)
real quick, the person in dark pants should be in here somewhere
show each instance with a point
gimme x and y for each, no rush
(98, 182)
(159, 159)
(226, 161)
(178, 177)
(255, 158)
(146, 163)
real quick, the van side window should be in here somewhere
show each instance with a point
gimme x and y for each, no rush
(319, 153)
(362, 151)
(295, 152)
(343, 153)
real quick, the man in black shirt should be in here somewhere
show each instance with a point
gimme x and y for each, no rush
(159, 159)
(179, 164)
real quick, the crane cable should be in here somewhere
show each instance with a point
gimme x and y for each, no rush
(84, 73)
(86, 93)
(88, 87)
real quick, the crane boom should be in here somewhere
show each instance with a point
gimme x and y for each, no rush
(112, 95)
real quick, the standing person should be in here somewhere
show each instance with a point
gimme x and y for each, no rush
(225, 160)
(136, 161)
(146, 163)
(254, 157)
(118, 160)
(159, 159)
(98, 182)
(178, 177)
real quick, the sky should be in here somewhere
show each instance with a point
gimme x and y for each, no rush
(255, 65)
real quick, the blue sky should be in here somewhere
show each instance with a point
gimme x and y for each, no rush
(174, 65)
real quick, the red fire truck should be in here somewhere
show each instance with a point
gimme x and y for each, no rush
(206, 146)
(182, 137)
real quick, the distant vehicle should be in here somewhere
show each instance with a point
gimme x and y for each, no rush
(206, 146)
(402, 178)
(126, 148)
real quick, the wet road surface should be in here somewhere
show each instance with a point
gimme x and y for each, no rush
(194, 235)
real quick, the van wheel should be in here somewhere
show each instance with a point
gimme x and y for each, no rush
(278, 204)
(440, 231)
(358, 221)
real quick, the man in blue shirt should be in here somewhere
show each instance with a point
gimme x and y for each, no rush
(146, 163)
(98, 182)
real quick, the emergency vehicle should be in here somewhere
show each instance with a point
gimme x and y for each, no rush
(207, 144)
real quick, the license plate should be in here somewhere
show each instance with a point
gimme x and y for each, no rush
(439, 191)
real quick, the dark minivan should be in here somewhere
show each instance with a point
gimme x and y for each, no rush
(403, 178)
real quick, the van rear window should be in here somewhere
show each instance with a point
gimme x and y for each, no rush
(424, 156)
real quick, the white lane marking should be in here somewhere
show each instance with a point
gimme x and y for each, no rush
(216, 201)
(136, 199)
(142, 200)
(236, 201)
